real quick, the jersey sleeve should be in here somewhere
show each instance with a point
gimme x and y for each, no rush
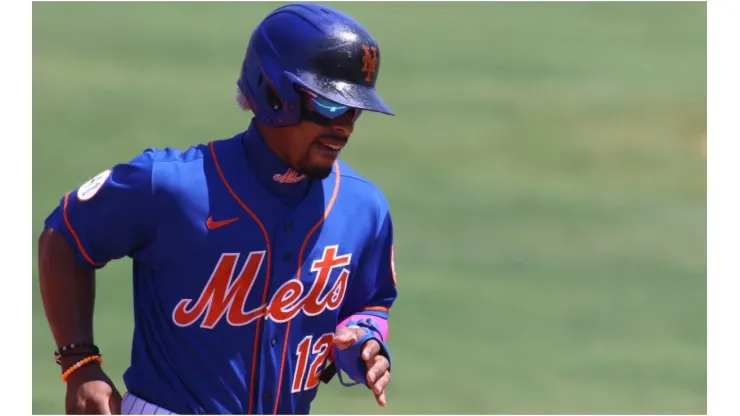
(111, 215)
(374, 292)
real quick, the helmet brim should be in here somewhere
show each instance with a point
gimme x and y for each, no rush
(345, 93)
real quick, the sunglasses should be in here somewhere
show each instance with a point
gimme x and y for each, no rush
(326, 107)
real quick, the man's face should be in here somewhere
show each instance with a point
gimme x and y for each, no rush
(313, 145)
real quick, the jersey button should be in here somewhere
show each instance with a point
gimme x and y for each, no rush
(266, 396)
(273, 341)
(286, 256)
(287, 225)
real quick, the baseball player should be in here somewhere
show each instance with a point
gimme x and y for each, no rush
(262, 265)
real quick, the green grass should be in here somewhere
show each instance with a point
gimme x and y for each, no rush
(544, 172)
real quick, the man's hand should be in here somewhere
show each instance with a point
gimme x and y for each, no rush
(91, 392)
(378, 375)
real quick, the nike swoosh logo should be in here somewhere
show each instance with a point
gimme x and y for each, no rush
(212, 225)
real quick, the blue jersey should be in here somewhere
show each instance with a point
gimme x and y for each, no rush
(242, 269)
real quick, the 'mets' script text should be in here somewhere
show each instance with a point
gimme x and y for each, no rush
(226, 295)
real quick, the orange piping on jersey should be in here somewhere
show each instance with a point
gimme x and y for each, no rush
(376, 308)
(74, 234)
(267, 273)
(298, 276)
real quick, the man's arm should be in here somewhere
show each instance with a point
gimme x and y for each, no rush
(106, 218)
(364, 329)
(67, 292)
(374, 292)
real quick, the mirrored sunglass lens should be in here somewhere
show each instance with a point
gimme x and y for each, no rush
(329, 108)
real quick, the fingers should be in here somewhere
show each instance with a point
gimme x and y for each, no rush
(378, 378)
(98, 406)
(378, 366)
(378, 375)
(381, 399)
(371, 349)
(379, 386)
(345, 337)
(115, 403)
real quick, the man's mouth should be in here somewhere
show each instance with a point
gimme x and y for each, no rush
(330, 144)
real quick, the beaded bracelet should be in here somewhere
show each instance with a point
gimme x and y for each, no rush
(79, 364)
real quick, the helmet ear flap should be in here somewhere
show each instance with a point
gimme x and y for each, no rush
(284, 101)
(272, 97)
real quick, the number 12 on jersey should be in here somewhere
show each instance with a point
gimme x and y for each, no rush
(306, 348)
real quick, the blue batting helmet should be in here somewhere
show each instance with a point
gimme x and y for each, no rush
(314, 48)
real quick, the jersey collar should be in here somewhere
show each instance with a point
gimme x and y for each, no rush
(275, 176)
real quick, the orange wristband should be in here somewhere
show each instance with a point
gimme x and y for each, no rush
(79, 364)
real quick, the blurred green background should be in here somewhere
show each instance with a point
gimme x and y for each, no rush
(545, 171)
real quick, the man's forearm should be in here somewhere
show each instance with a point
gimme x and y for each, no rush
(67, 290)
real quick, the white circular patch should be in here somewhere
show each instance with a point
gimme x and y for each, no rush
(88, 189)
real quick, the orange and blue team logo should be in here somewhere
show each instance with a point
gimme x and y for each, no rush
(225, 294)
(290, 176)
(370, 62)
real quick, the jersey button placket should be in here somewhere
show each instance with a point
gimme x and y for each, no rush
(288, 225)
(286, 257)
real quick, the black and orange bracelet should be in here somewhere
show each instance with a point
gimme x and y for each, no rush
(79, 364)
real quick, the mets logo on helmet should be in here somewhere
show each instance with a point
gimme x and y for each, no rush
(370, 62)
